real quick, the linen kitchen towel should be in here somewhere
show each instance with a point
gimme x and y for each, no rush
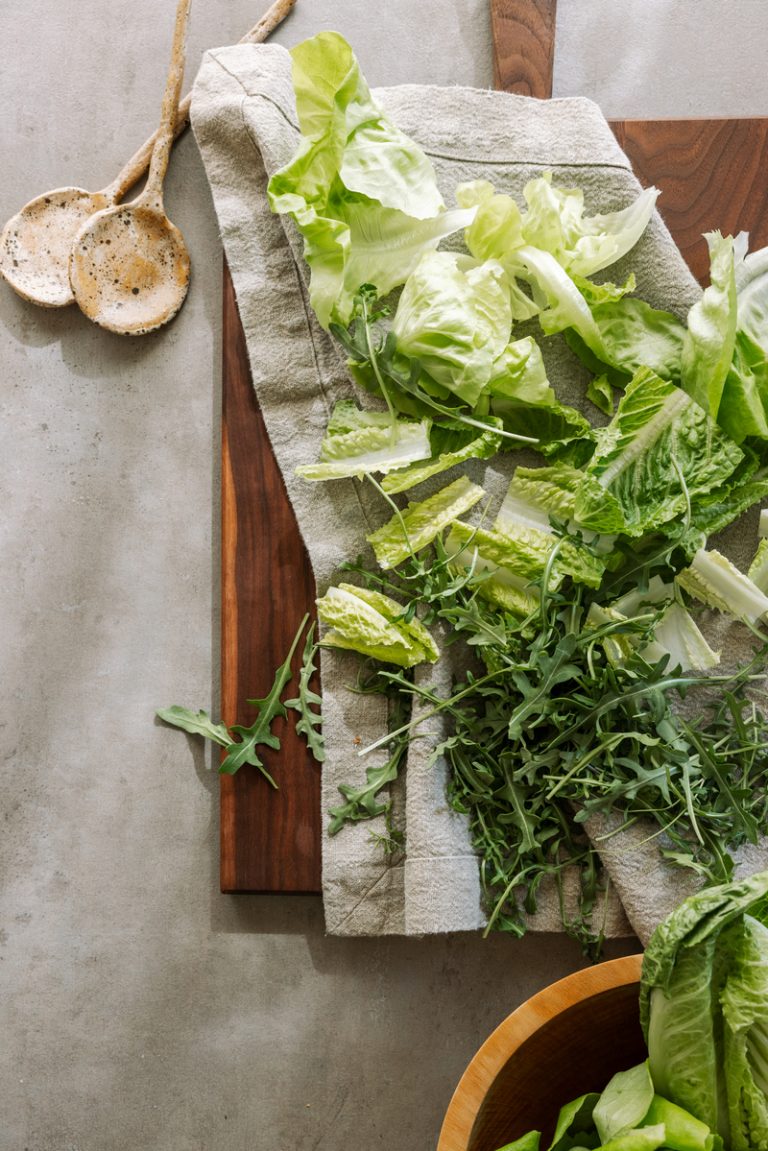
(244, 119)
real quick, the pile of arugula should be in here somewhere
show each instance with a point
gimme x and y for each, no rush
(576, 601)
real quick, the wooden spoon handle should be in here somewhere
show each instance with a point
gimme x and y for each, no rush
(137, 166)
(158, 165)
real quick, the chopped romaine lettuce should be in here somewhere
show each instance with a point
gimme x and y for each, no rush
(360, 441)
(368, 622)
(409, 531)
(758, 569)
(709, 342)
(451, 444)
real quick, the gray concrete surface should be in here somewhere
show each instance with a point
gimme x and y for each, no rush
(140, 1009)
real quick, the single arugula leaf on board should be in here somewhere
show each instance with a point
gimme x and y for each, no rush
(259, 733)
(195, 722)
(310, 722)
(362, 802)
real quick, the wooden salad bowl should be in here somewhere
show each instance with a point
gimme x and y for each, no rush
(567, 1040)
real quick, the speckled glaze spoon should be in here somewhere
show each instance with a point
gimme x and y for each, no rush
(129, 265)
(36, 243)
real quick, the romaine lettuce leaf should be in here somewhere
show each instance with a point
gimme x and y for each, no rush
(682, 978)
(451, 444)
(422, 522)
(743, 410)
(758, 569)
(659, 452)
(521, 395)
(372, 624)
(360, 441)
(633, 335)
(624, 1102)
(455, 319)
(744, 1000)
(714, 580)
(710, 339)
(752, 296)
(677, 636)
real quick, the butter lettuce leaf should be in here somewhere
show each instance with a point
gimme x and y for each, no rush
(555, 221)
(632, 335)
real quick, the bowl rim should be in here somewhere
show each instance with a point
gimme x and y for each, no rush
(488, 1061)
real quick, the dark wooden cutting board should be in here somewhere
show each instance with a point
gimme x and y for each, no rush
(712, 173)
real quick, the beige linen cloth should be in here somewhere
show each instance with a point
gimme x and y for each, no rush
(244, 119)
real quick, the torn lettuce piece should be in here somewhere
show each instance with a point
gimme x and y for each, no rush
(363, 194)
(561, 304)
(521, 395)
(752, 296)
(451, 444)
(358, 441)
(624, 1102)
(524, 551)
(748, 484)
(494, 233)
(632, 335)
(372, 624)
(555, 221)
(758, 569)
(744, 1001)
(422, 522)
(677, 636)
(743, 410)
(659, 452)
(709, 342)
(714, 580)
(455, 319)
(495, 583)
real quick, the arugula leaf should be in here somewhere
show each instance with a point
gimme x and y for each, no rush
(259, 733)
(310, 722)
(195, 722)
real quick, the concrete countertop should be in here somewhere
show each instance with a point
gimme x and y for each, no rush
(140, 1008)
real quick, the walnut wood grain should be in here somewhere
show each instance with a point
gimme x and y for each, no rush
(523, 33)
(712, 175)
(567, 1040)
(270, 840)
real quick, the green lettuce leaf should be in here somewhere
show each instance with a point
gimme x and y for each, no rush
(659, 452)
(624, 1102)
(709, 342)
(420, 523)
(758, 569)
(639, 1139)
(555, 221)
(677, 636)
(752, 296)
(451, 444)
(632, 335)
(744, 1000)
(743, 410)
(714, 580)
(574, 1120)
(455, 319)
(683, 1132)
(372, 624)
(359, 441)
(682, 978)
(363, 194)
(521, 395)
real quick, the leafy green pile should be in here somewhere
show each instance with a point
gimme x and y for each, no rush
(577, 607)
